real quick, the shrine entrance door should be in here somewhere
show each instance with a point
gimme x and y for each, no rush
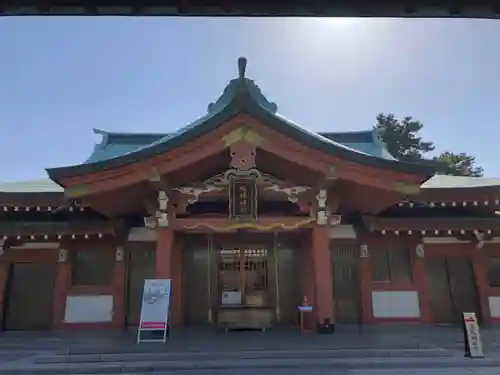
(244, 280)
(246, 287)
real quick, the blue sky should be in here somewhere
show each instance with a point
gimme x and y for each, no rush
(61, 77)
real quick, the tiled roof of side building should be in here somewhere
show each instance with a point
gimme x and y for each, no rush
(453, 182)
(31, 186)
(241, 95)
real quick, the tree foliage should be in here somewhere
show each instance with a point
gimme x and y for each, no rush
(457, 164)
(404, 143)
(402, 137)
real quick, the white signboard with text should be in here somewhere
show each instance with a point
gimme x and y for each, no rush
(155, 308)
(473, 336)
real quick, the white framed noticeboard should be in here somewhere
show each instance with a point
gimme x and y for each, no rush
(154, 309)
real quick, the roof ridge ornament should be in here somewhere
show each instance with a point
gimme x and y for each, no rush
(241, 86)
(242, 67)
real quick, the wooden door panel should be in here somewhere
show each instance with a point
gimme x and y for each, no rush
(439, 291)
(142, 265)
(463, 287)
(346, 285)
(196, 297)
(289, 287)
(29, 296)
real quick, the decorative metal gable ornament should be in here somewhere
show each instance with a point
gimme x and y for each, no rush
(480, 237)
(160, 216)
(322, 214)
(119, 254)
(419, 251)
(161, 213)
(62, 256)
(363, 251)
(150, 222)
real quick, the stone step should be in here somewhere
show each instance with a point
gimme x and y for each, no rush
(129, 346)
(245, 354)
(199, 365)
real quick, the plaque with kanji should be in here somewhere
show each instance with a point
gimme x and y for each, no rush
(243, 199)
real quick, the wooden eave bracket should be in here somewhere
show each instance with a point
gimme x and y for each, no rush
(158, 210)
(41, 207)
(158, 181)
(479, 235)
(326, 208)
(72, 230)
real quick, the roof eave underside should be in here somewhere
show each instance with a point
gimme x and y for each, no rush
(426, 193)
(241, 103)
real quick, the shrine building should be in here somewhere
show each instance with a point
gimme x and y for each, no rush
(250, 215)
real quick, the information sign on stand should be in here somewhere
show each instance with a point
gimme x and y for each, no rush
(154, 310)
(473, 343)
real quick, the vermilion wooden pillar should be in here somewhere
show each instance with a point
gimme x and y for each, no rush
(4, 274)
(164, 250)
(308, 286)
(322, 276)
(169, 265)
(177, 313)
(119, 281)
(480, 264)
(365, 281)
(61, 288)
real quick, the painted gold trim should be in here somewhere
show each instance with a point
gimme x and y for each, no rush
(407, 188)
(77, 191)
(248, 225)
(242, 134)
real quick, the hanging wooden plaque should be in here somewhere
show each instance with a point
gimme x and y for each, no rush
(243, 199)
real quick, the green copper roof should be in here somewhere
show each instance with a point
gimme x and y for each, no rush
(114, 145)
(241, 95)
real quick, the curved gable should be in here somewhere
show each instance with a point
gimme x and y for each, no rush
(241, 95)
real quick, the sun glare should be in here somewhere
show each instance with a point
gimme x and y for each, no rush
(335, 22)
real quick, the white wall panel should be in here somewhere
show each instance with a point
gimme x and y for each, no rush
(494, 306)
(89, 309)
(395, 304)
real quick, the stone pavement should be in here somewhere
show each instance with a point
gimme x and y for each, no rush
(400, 336)
(373, 350)
(329, 371)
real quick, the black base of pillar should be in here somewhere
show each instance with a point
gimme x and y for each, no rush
(326, 327)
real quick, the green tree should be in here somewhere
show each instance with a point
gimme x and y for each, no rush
(405, 144)
(457, 164)
(401, 137)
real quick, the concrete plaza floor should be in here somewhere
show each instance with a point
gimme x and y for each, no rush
(369, 350)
